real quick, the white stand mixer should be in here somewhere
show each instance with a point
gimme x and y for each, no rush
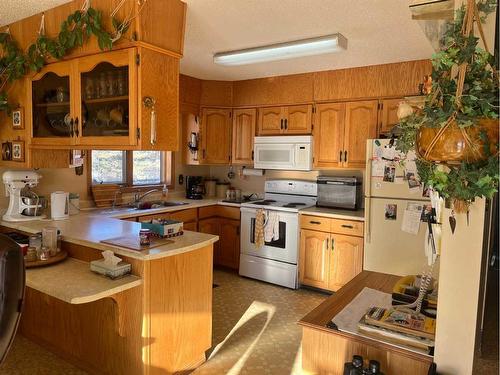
(15, 182)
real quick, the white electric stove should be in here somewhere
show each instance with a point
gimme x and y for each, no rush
(276, 261)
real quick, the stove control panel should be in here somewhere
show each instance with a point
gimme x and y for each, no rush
(292, 187)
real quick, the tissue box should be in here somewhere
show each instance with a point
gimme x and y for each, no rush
(164, 228)
(111, 271)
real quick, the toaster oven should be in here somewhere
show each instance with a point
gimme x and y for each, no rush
(339, 192)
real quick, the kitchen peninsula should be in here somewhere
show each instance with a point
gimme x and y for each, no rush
(157, 321)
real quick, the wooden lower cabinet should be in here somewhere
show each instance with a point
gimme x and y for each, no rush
(314, 258)
(346, 260)
(227, 249)
(328, 260)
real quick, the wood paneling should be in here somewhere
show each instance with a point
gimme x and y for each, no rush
(328, 135)
(290, 89)
(314, 258)
(216, 93)
(397, 79)
(388, 115)
(189, 93)
(159, 78)
(167, 31)
(346, 260)
(324, 353)
(215, 136)
(360, 125)
(244, 121)
(298, 119)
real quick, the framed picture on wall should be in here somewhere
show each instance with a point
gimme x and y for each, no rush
(18, 151)
(18, 118)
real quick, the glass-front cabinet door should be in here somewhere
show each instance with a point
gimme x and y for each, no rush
(53, 119)
(107, 99)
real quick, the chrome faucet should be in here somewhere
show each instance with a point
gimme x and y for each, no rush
(138, 197)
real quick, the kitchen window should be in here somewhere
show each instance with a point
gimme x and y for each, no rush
(131, 168)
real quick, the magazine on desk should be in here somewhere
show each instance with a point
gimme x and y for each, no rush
(348, 319)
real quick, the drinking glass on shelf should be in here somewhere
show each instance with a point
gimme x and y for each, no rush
(110, 84)
(121, 86)
(89, 88)
(103, 89)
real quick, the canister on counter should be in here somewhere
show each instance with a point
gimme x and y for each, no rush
(210, 184)
(145, 237)
(221, 188)
(35, 241)
(43, 253)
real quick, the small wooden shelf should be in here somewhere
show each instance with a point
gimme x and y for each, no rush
(107, 100)
(56, 104)
(73, 282)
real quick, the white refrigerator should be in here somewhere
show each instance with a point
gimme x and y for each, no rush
(391, 189)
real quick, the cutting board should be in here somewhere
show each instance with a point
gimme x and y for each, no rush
(132, 242)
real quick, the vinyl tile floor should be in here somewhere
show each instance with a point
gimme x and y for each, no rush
(254, 332)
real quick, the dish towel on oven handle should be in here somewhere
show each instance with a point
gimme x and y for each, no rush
(260, 218)
(272, 227)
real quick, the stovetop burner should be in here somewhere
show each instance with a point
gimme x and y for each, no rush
(265, 202)
(293, 205)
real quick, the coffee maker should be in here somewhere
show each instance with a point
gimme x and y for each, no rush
(194, 187)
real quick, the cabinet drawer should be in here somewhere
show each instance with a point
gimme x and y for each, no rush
(209, 211)
(229, 212)
(153, 217)
(349, 227)
(315, 223)
(185, 216)
(221, 211)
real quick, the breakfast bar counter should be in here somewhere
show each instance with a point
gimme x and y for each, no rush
(156, 321)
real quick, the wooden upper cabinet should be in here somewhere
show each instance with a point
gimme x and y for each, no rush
(106, 99)
(243, 135)
(51, 106)
(346, 260)
(294, 119)
(271, 120)
(328, 135)
(215, 136)
(388, 115)
(97, 102)
(360, 125)
(314, 258)
(298, 119)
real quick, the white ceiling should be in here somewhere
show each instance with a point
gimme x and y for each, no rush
(378, 32)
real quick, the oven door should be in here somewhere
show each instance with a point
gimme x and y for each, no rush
(274, 156)
(285, 249)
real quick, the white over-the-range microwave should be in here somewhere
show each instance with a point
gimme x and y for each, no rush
(284, 152)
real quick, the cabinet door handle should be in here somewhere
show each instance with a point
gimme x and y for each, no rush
(333, 244)
(347, 226)
(327, 243)
(71, 128)
(345, 156)
(340, 156)
(315, 222)
(252, 155)
(281, 124)
(286, 124)
(77, 131)
(204, 153)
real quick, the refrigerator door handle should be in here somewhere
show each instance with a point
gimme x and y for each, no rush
(368, 170)
(367, 219)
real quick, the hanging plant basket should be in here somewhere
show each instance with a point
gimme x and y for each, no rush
(452, 144)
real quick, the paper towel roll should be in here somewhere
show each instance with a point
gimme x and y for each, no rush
(253, 172)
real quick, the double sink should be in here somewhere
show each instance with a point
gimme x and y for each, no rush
(146, 205)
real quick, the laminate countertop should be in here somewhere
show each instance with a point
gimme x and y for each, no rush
(90, 227)
(334, 213)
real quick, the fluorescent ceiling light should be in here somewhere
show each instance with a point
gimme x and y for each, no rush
(281, 51)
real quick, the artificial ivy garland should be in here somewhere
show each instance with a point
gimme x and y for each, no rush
(75, 31)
